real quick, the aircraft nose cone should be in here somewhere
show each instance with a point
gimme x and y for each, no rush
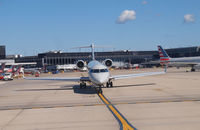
(102, 80)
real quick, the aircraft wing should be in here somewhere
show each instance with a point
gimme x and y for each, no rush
(73, 79)
(136, 75)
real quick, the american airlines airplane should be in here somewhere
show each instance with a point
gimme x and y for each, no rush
(98, 74)
(193, 62)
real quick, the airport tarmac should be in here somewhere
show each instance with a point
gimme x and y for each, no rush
(169, 101)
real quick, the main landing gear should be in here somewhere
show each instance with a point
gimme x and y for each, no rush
(82, 85)
(109, 84)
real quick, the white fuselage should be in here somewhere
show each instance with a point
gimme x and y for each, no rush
(98, 73)
(186, 59)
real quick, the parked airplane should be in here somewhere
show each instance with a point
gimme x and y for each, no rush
(98, 73)
(193, 62)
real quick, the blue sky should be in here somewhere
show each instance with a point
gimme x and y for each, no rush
(31, 26)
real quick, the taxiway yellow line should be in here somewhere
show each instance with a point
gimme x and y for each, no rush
(124, 122)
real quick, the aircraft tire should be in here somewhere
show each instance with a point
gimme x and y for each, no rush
(100, 91)
(107, 85)
(81, 85)
(111, 84)
(84, 85)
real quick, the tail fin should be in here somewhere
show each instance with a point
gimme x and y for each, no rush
(164, 57)
(163, 54)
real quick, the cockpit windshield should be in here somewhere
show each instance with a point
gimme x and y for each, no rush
(103, 70)
(98, 70)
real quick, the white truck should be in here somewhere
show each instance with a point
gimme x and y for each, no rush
(8, 76)
(61, 67)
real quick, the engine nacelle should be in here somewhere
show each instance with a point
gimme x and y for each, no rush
(80, 64)
(108, 62)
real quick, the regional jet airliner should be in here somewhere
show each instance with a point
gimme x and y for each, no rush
(98, 74)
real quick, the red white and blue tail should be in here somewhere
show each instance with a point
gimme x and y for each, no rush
(164, 57)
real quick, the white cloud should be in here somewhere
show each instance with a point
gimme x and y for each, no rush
(126, 15)
(144, 2)
(189, 18)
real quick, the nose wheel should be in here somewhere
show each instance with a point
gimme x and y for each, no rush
(99, 90)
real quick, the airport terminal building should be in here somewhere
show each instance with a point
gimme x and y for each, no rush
(57, 58)
(126, 56)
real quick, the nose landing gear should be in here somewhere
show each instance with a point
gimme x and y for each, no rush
(99, 90)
